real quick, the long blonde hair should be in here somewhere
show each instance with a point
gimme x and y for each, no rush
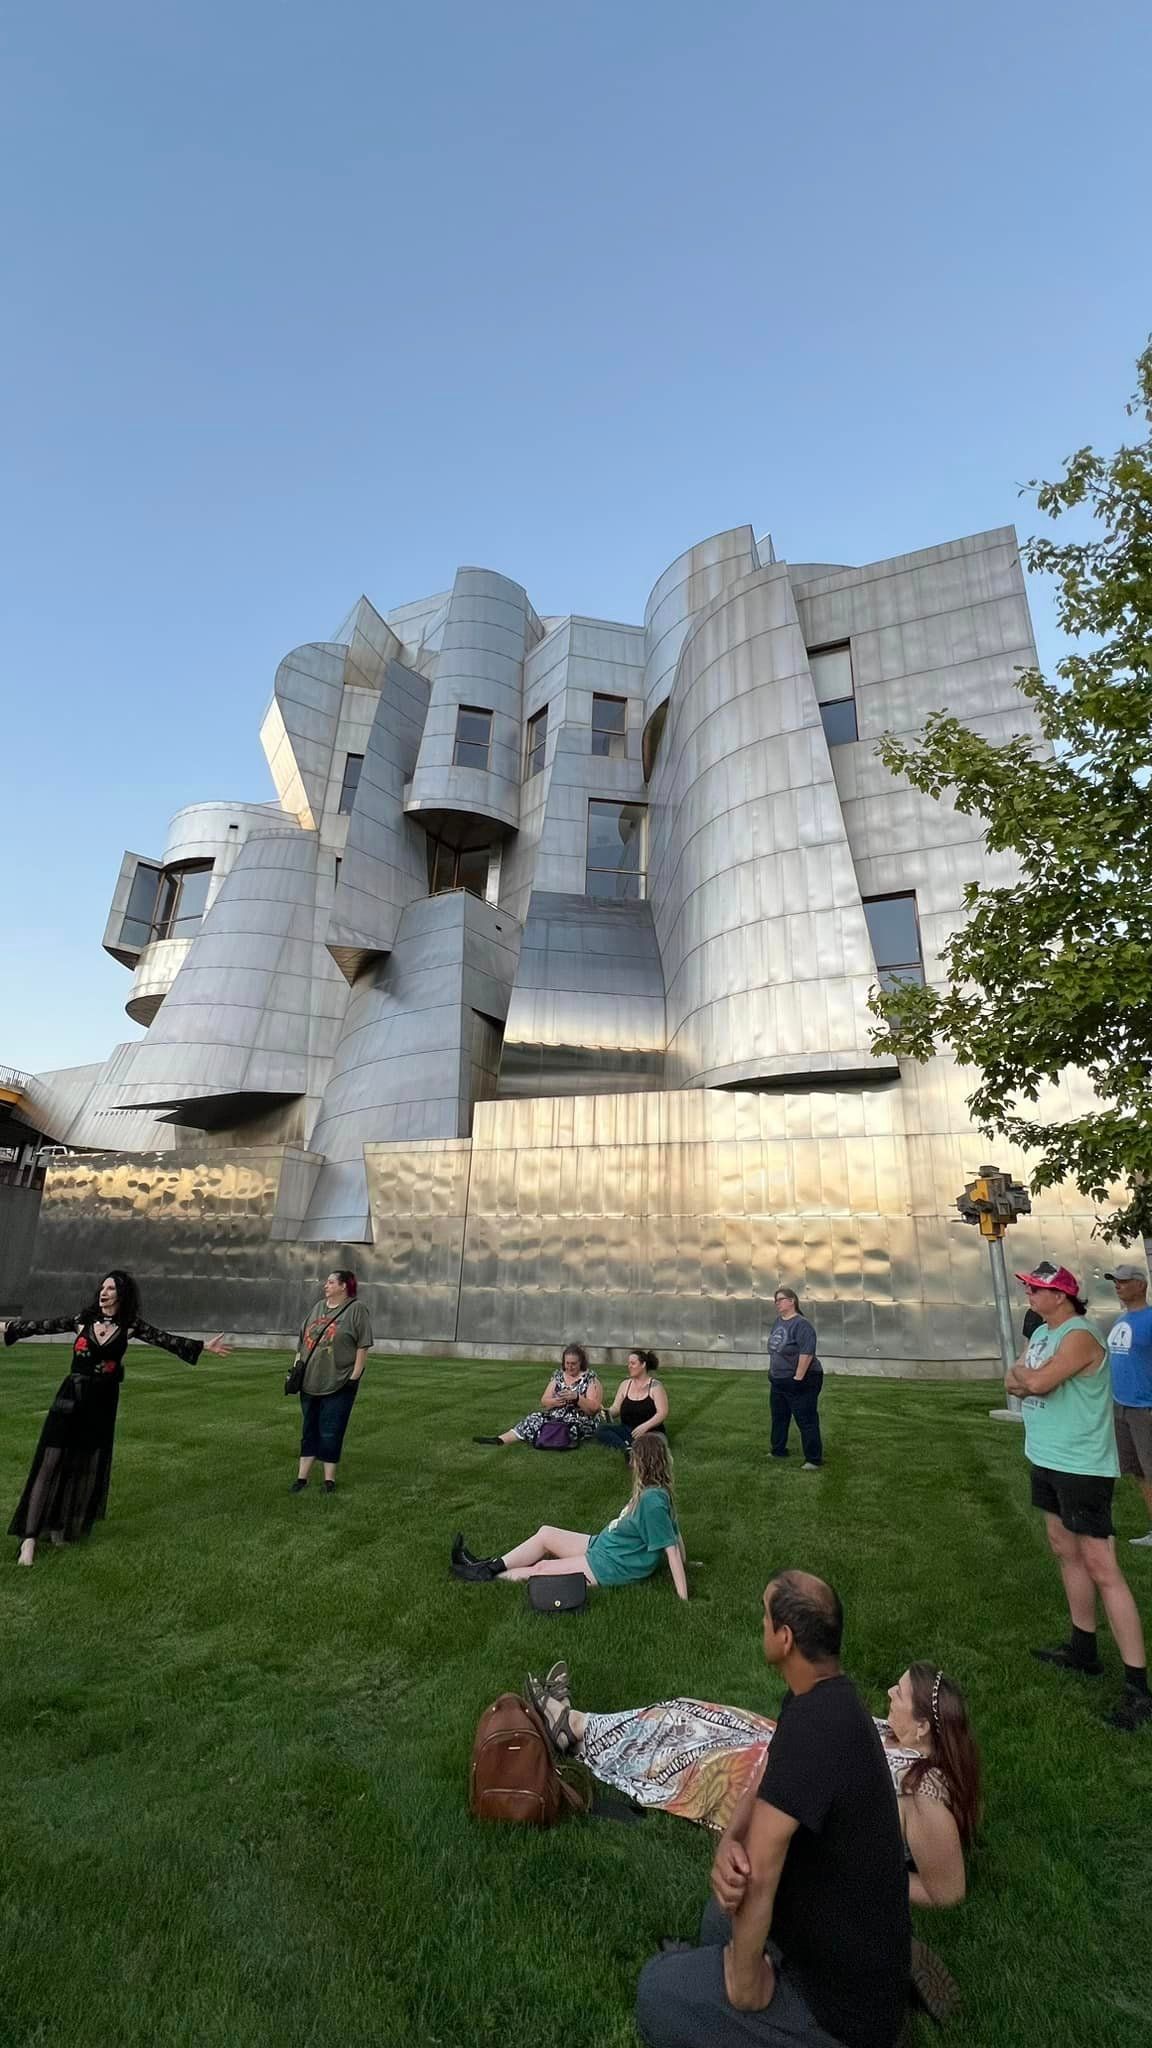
(651, 1466)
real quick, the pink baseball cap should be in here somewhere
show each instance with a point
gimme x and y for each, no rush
(1058, 1278)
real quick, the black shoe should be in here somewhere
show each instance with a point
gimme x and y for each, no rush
(1134, 1711)
(486, 1439)
(476, 1569)
(1065, 1658)
(329, 1486)
(298, 1486)
(461, 1553)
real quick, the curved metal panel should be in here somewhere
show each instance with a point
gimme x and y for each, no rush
(587, 1011)
(687, 585)
(488, 629)
(767, 960)
(385, 860)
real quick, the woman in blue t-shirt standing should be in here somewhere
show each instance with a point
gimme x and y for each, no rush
(628, 1550)
(795, 1377)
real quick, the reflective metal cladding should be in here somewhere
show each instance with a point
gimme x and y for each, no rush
(540, 989)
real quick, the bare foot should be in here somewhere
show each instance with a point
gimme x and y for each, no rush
(27, 1551)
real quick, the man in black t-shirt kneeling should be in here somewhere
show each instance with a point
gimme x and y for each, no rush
(814, 1857)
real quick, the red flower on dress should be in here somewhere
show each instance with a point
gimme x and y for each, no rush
(109, 1365)
(81, 1344)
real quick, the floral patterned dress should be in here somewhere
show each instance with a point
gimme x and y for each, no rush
(580, 1426)
(67, 1485)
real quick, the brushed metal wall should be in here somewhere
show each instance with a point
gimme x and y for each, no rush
(661, 1218)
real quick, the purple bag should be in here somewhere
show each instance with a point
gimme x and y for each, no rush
(553, 1436)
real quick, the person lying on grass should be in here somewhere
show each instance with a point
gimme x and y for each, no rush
(696, 1760)
(628, 1550)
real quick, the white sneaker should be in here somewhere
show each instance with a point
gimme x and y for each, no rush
(1142, 1542)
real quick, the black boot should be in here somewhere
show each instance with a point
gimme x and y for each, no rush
(1064, 1656)
(473, 1568)
(461, 1553)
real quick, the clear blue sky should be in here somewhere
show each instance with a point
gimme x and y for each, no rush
(310, 299)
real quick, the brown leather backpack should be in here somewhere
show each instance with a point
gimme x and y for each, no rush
(514, 1775)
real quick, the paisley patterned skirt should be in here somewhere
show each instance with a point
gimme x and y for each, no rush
(691, 1758)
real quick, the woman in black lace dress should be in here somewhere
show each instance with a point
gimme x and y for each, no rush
(67, 1486)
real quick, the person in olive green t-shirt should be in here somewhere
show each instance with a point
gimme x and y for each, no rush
(628, 1550)
(335, 1339)
(1063, 1380)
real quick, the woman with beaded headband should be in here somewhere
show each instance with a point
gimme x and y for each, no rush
(696, 1759)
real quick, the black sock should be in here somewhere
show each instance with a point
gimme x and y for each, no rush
(497, 1564)
(1084, 1645)
(1136, 1677)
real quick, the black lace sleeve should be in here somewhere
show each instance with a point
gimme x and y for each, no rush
(52, 1326)
(187, 1348)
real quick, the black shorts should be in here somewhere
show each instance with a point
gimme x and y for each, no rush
(1081, 1500)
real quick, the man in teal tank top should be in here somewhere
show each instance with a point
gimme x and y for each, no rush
(1063, 1380)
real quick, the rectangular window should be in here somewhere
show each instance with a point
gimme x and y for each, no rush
(181, 900)
(616, 852)
(831, 670)
(894, 930)
(609, 719)
(338, 867)
(452, 867)
(136, 929)
(353, 763)
(473, 737)
(535, 738)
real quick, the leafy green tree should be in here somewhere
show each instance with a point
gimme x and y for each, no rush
(1056, 971)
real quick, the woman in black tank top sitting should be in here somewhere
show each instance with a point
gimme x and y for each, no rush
(640, 1407)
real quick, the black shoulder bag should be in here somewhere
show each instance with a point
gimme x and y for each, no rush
(294, 1378)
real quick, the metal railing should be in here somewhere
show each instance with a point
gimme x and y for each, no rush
(11, 1077)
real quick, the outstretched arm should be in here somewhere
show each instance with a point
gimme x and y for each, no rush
(51, 1326)
(186, 1348)
(675, 1557)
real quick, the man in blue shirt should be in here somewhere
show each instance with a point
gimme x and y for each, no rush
(1130, 1357)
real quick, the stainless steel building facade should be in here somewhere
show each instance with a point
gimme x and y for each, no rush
(539, 993)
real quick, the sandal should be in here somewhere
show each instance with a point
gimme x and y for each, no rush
(932, 1989)
(561, 1735)
(556, 1684)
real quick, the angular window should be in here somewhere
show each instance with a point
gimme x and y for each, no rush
(831, 670)
(353, 763)
(609, 718)
(473, 737)
(535, 738)
(894, 930)
(616, 852)
(180, 900)
(453, 867)
(136, 929)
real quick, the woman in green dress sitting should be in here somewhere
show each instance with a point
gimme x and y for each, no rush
(628, 1550)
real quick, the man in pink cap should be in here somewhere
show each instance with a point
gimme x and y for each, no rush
(1063, 1381)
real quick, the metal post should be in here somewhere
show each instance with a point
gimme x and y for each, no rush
(1008, 1346)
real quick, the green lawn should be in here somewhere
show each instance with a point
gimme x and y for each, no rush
(236, 1727)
